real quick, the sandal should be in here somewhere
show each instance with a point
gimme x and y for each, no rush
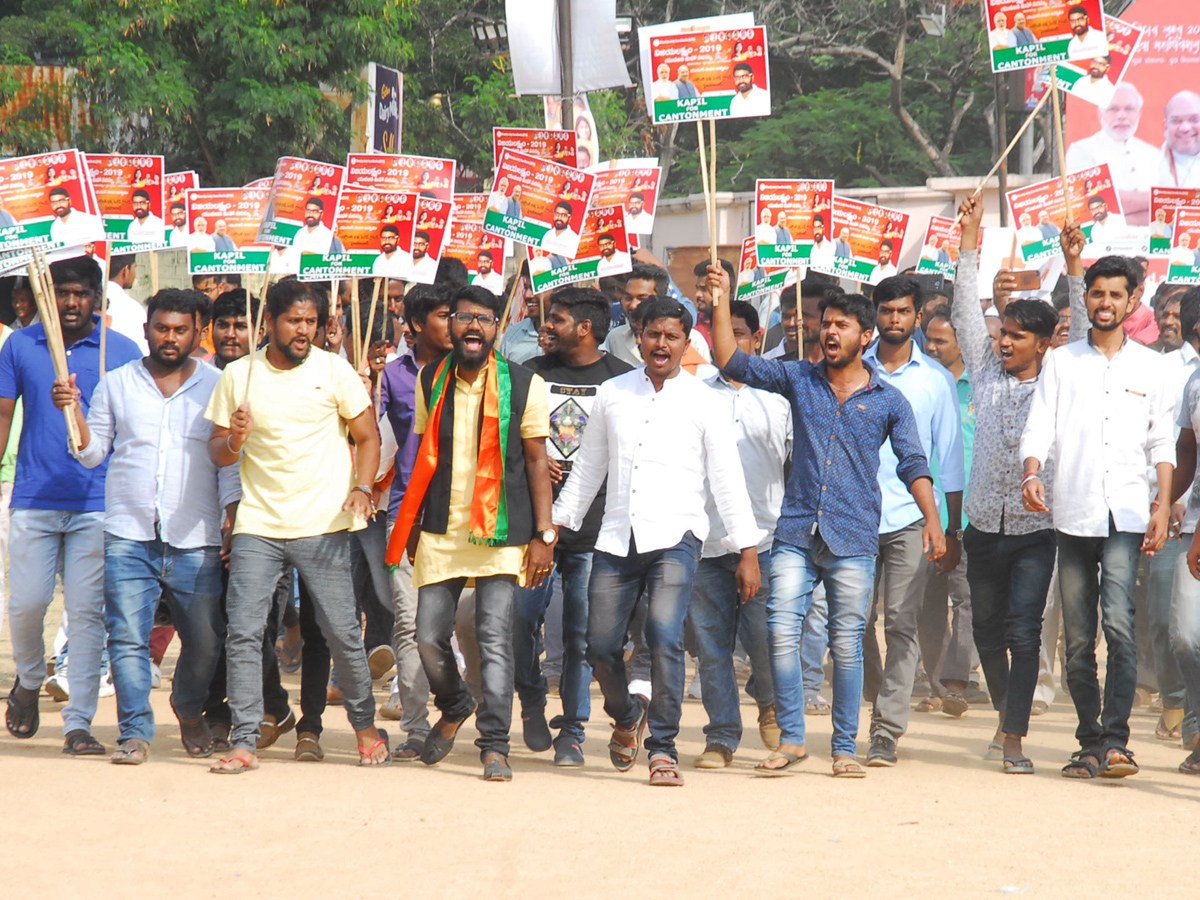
(130, 752)
(233, 765)
(220, 736)
(288, 655)
(197, 740)
(1165, 731)
(623, 755)
(81, 743)
(1081, 766)
(792, 760)
(819, 707)
(930, 704)
(364, 756)
(1018, 765)
(22, 717)
(409, 751)
(1122, 768)
(664, 771)
(1191, 765)
(848, 768)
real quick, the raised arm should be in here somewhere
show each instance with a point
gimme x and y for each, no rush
(767, 374)
(965, 313)
(1072, 241)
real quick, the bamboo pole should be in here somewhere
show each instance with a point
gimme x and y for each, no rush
(504, 320)
(104, 275)
(766, 324)
(262, 305)
(355, 327)
(366, 346)
(709, 202)
(42, 285)
(1058, 143)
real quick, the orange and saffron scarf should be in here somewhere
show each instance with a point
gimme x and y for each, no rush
(489, 504)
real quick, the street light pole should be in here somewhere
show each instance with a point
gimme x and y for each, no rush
(566, 54)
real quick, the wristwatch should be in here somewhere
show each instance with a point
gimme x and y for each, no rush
(548, 537)
(955, 533)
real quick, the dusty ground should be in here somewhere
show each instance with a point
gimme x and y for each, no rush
(944, 823)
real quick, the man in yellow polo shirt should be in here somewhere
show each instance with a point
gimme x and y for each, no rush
(481, 488)
(302, 495)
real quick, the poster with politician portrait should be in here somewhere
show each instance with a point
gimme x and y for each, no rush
(175, 186)
(483, 254)
(1026, 33)
(130, 191)
(538, 202)
(634, 189)
(792, 220)
(603, 250)
(1094, 80)
(867, 241)
(428, 176)
(222, 230)
(715, 74)
(1163, 204)
(47, 201)
(939, 250)
(544, 143)
(1040, 212)
(300, 211)
(1183, 264)
(753, 278)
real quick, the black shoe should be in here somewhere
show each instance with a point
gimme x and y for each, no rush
(536, 731)
(437, 744)
(568, 755)
(496, 768)
(882, 752)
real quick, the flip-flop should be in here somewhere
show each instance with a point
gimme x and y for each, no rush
(242, 766)
(21, 713)
(848, 768)
(363, 757)
(765, 771)
(995, 750)
(130, 752)
(1018, 765)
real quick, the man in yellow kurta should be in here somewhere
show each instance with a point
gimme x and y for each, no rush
(481, 488)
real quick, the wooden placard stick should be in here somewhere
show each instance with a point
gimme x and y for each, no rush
(517, 279)
(366, 346)
(253, 339)
(355, 327)
(42, 284)
(709, 202)
(766, 324)
(1058, 143)
(104, 267)
(1007, 150)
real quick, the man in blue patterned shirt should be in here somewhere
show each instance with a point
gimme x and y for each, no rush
(842, 412)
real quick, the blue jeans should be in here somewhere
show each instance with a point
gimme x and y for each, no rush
(1009, 575)
(848, 581)
(137, 575)
(1185, 638)
(1160, 578)
(718, 619)
(437, 605)
(814, 644)
(529, 613)
(613, 591)
(39, 537)
(1098, 576)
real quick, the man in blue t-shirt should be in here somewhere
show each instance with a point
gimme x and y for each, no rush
(57, 506)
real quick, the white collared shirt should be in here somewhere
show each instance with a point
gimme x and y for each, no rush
(126, 316)
(1132, 163)
(1105, 421)
(656, 448)
(762, 422)
(160, 469)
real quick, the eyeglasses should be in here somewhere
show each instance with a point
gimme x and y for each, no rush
(487, 320)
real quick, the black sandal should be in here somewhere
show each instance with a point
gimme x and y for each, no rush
(81, 743)
(1079, 767)
(1119, 769)
(22, 714)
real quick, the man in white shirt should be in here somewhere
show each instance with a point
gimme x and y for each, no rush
(612, 260)
(392, 262)
(561, 239)
(1183, 254)
(1160, 227)
(636, 218)
(645, 282)
(761, 421)
(178, 236)
(125, 315)
(499, 197)
(1087, 42)
(145, 227)
(163, 533)
(750, 100)
(313, 237)
(1095, 88)
(764, 231)
(885, 268)
(424, 268)
(1106, 226)
(1028, 233)
(1180, 158)
(487, 276)
(1103, 410)
(663, 87)
(999, 37)
(1132, 162)
(654, 435)
(200, 241)
(822, 248)
(70, 227)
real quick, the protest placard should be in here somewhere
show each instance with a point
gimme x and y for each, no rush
(544, 143)
(129, 191)
(1094, 80)
(483, 254)
(1027, 33)
(754, 279)
(424, 175)
(587, 143)
(175, 185)
(382, 234)
(939, 251)
(792, 221)
(538, 202)
(867, 241)
(708, 75)
(1040, 213)
(634, 189)
(222, 230)
(603, 250)
(385, 120)
(299, 214)
(47, 201)
(1184, 261)
(1163, 203)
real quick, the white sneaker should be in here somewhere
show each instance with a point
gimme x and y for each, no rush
(56, 687)
(106, 685)
(155, 676)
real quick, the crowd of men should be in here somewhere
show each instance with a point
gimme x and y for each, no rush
(478, 502)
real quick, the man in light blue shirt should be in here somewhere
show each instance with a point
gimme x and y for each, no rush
(902, 572)
(168, 509)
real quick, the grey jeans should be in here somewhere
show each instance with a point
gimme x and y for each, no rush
(255, 567)
(900, 576)
(946, 641)
(411, 687)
